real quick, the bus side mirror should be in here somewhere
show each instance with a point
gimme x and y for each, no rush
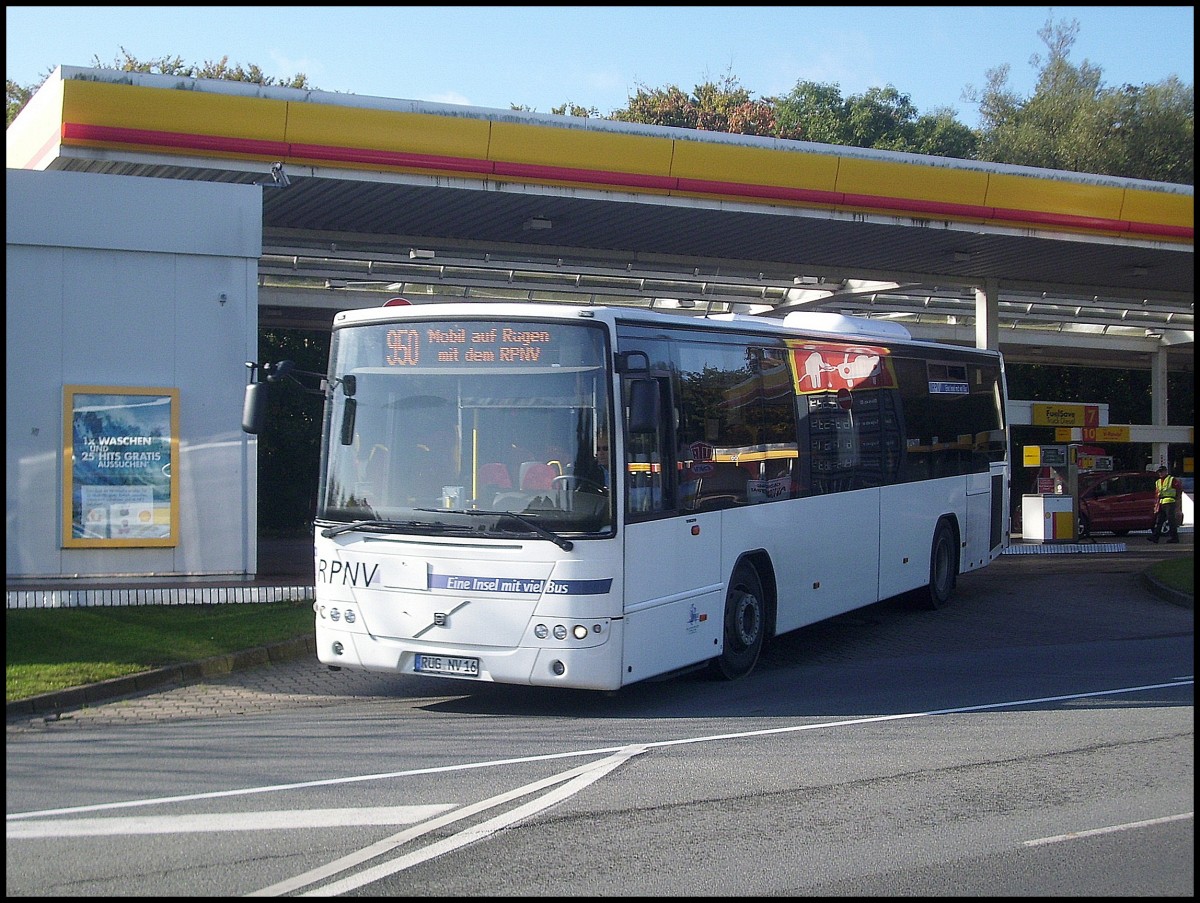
(254, 408)
(348, 415)
(644, 410)
(349, 387)
(254, 405)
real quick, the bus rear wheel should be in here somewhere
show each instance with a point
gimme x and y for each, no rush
(744, 625)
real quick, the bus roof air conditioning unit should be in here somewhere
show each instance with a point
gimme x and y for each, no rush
(842, 324)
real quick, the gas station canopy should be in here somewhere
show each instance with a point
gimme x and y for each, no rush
(365, 198)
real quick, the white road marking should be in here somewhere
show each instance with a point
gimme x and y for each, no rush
(587, 773)
(225, 821)
(1112, 829)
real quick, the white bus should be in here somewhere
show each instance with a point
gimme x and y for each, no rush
(589, 497)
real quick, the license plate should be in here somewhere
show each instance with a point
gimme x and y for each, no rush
(446, 664)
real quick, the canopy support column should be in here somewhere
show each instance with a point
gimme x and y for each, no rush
(987, 315)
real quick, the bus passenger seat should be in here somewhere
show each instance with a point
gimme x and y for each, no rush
(494, 476)
(536, 475)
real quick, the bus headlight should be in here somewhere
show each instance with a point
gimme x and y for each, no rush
(560, 632)
(580, 632)
(541, 631)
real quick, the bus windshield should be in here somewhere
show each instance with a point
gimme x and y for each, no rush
(433, 424)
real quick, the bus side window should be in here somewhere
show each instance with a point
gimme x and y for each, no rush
(724, 487)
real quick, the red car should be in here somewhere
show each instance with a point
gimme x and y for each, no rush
(1116, 502)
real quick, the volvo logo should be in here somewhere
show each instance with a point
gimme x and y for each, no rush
(441, 619)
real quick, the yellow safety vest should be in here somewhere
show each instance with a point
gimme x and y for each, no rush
(1167, 492)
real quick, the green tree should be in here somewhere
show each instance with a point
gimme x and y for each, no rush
(16, 96)
(573, 109)
(713, 106)
(881, 118)
(716, 102)
(174, 65)
(1073, 122)
(1153, 132)
(940, 134)
(812, 112)
(754, 117)
(668, 106)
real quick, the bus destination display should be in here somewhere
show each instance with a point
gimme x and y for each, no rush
(430, 345)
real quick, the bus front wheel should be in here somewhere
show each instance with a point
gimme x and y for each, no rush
(943, 568)
(744, 624)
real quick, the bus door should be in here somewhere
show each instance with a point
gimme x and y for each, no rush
(674, 599)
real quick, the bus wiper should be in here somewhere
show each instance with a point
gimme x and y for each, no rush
(390, 526)
(565, 544)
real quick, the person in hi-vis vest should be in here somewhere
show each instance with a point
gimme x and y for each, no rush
(1166, 506)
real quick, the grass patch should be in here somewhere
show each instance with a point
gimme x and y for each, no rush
(47, 649)
(1178, 574)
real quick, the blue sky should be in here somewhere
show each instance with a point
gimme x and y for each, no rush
(597, 56)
